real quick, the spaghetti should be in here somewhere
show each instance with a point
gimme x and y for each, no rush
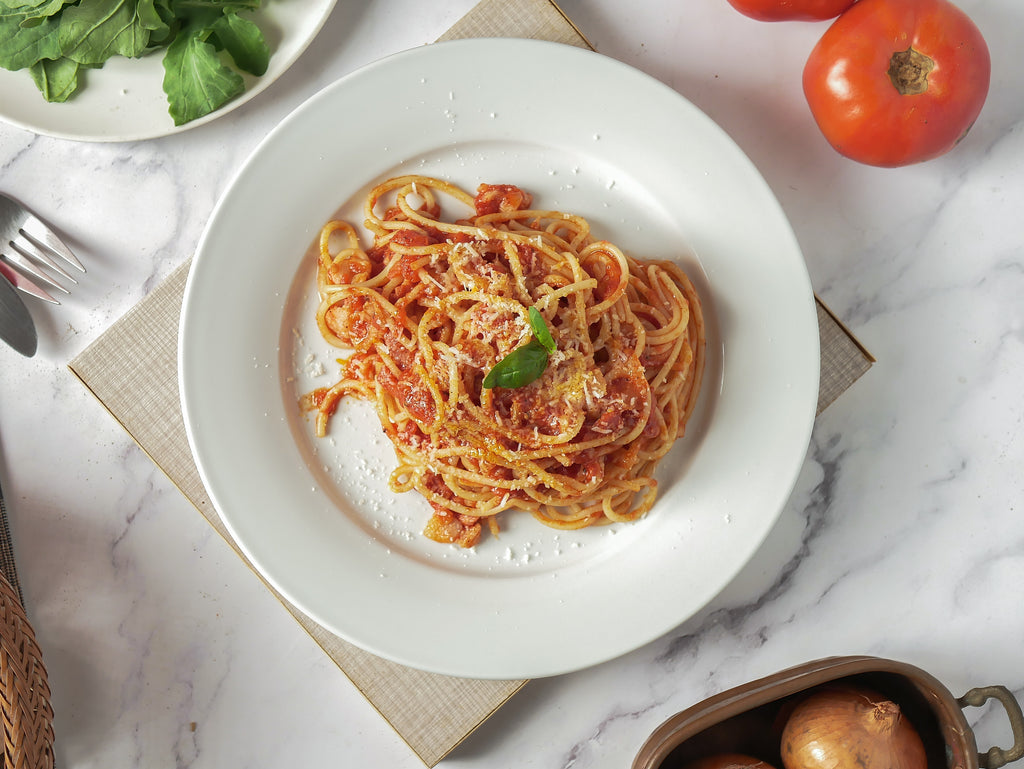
(432, 306)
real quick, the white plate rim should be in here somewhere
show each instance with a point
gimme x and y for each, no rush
(526, 657)
(108, 101)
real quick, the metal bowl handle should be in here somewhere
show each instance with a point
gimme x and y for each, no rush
(996, 757)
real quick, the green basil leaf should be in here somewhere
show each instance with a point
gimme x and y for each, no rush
(520, 367)
(540, 330)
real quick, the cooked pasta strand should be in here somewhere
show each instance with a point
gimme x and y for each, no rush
(432, 305)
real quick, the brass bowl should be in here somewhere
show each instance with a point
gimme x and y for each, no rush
(749, 718)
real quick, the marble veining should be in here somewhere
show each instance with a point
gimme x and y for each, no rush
(902, 536)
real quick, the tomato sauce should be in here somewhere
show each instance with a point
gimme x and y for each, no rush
(495, 198)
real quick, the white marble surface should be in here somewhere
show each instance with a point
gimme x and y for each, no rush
(903, 537)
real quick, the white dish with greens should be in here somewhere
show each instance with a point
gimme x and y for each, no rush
(120, 70)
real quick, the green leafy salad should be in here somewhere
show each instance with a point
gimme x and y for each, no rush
(206, 44)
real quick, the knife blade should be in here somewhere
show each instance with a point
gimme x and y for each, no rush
(16, 326)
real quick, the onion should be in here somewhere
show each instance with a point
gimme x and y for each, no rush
(729, 761)
(847, 727)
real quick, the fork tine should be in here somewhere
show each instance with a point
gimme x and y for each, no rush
(32, 251)
(24, 265)
(21, 281)
(35, 229)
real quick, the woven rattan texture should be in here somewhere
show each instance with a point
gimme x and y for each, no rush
(24, 689)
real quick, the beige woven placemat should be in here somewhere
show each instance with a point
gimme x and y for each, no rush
(132, 370)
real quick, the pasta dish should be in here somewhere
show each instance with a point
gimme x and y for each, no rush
(515, 361)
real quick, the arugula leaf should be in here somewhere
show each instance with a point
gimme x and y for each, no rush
(195, 80)
(161, 37)
(206, 43)
(527, 362)
(244, 41)
(56, 79)
(94, 30)
(23, 5)
(22, 46)
(40, 11)
(184, 8)
(150, 18)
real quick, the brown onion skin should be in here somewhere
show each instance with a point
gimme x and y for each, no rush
(846, 727)
(729, 761)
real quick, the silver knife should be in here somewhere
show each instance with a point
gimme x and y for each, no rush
(16, 326)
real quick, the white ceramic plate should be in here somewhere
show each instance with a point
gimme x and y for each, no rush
(125, 101)
(585, 134)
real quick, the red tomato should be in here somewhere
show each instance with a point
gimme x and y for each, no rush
(791, 10)
(895, 82)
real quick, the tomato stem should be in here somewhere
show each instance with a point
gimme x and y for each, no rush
(908, 71)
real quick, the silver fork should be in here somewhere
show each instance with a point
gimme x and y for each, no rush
(31, 255)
